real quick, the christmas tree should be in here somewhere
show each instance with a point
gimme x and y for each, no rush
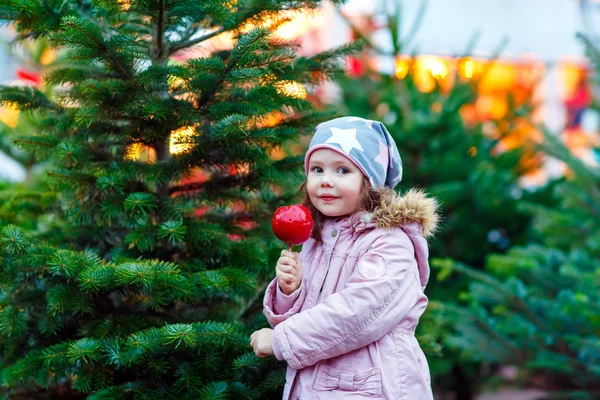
(537, 307)
(166, 136)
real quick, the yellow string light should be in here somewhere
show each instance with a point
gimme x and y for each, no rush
(231, 5)
(140, 152)
(48, 57)
(268, 120)
(175, 83)
(288, 24)
(300, 22)
(402, 67)
(435, 65)
(180, 140)
(124, 5)
(467, 67)
(291, 89)
(134, 151)
(9, 115)
(267, 79)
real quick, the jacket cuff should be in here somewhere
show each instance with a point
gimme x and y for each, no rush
(276, 350)
(279, 307)
(284, 302)
(282, 349)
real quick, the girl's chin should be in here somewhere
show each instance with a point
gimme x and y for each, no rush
(332, 210)
(333, 213)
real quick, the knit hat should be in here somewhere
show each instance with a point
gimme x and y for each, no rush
(366, 143)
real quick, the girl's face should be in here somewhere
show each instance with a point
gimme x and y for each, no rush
(334, 183)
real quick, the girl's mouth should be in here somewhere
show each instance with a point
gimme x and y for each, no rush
(328, 199)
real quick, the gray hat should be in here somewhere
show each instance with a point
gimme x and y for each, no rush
(366, 143)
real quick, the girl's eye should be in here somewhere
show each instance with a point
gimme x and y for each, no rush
(317, 170)
(343, 170)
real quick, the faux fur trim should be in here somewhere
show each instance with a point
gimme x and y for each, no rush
(396, 210)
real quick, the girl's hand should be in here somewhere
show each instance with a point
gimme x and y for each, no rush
(261, 342)
(289, 271)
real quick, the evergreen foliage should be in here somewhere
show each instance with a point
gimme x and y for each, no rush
(165, 181)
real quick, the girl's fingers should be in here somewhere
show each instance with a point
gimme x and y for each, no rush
(290, 254)
(294, 255)
(283, 277)
(288, 262)
(288, 269)
(292, 258)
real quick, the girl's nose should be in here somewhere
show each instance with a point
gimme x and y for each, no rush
(326, 181)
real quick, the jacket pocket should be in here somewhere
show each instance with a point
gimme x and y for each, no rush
(367, 382)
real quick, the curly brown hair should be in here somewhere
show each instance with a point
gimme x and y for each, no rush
(371, 199)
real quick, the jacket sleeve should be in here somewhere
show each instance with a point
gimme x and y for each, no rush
(278, 307)
(380, 292)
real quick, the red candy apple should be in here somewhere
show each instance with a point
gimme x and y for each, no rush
(292, 224)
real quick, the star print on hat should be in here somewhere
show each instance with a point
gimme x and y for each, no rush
(367, 143)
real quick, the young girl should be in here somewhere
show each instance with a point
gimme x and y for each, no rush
(345, 309)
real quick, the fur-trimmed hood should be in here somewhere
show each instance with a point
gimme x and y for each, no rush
(414, 213)
(397, 210)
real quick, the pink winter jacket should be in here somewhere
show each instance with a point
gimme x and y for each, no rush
(348, 331)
